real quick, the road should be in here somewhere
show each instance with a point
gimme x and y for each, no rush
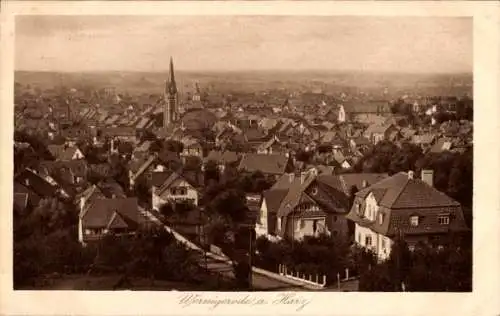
(259, 282)
(217, 264)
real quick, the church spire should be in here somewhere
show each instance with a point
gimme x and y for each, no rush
(171, 86)
(170, 111)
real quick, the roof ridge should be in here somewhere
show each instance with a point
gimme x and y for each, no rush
(144, 166)
(403, 187)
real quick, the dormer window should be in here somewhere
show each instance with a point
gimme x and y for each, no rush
(357, 209)
(414, 220)
(444, 219)
(380, 218)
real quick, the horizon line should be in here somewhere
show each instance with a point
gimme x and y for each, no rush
(180, 70)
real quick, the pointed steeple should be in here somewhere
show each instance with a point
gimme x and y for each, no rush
(171, 86)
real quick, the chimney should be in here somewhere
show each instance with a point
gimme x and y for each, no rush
(427, 176)
(364, 184)
(410, 175)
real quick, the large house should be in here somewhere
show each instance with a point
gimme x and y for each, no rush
(407, 206)
(308, 204)
(176, 188)
(100, 216)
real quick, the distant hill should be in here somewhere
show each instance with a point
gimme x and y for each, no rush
(328, 81)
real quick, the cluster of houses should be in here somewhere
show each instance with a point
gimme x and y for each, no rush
(371, 209)
(307, 198)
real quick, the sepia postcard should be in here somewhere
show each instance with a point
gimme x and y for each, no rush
(250, 158)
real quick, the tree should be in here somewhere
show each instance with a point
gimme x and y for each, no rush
(211, 172)
(231, 204)
(51, 215)
(304, 156)
(399, 263)
(141, 190)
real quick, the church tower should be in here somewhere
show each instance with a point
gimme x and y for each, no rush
(171, 99)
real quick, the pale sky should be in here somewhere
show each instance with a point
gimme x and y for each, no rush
(204, 43)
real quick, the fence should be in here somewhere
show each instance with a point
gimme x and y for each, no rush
(314, 279)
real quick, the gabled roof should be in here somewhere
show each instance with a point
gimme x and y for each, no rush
(62, 152)
(441, 145)
(36, 183)
(158, 178)
(266, 145)
(266, 163)
(402, 192)
(344, 182)
(100, 213)
(116, 221)
(144, 166)
(176, 175)
(296, 193)
(78, 167)
(222, 157)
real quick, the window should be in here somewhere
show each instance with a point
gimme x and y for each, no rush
(380, 218)
(443, 219)
(178, 191)
(335, 218)
(383, 243)
(302, 224)
(411, 247)
(315, 225)
(314, 191)
(414, 220)
(368, 240)
(359, 237)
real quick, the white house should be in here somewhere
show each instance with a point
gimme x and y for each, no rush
(175, 189)
(404, 206)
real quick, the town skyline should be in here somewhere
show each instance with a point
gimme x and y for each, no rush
(326, 44)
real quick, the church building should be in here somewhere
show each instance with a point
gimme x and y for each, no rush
(170, 110)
